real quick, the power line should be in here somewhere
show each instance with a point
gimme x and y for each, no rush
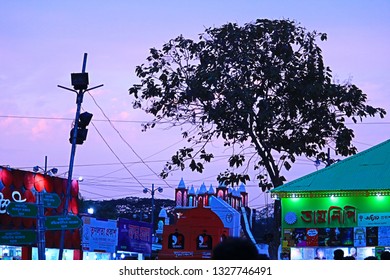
(65, 119)
(140, 121)
(116, 155)
(303, 162)
(124, 140)
(141, 160)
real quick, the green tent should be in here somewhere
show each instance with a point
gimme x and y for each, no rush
(364, 174)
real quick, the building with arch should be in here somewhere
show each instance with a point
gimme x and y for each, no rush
(203, 218)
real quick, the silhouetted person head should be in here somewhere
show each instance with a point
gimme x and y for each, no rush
(263, 257)
(338, 254)
(371, 258)
(234, 248)
(385, 255)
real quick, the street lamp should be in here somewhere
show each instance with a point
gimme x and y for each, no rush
(152, 191)
(80, 83)
(141, 215)
(51, 171)
(41, 213)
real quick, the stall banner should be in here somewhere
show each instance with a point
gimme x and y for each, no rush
(134, 236)
(371, 236)
(19, 186)
(383, 236)
(373, 219)
(359, 237)
(99, 235)
(335, 212)
(312, 237)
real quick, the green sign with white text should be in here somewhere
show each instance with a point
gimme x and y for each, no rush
(51, 200)
(18, 237)
(62, 222)
(18, 209)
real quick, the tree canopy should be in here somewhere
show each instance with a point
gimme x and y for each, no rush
(262, 87)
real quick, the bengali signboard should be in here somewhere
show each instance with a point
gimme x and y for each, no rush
(27, 210)
(373, 219)
(134, 236)
(18, 237)
(51, 200)
(327, 212)
(19, 191)
(99, 235)
(62, 222)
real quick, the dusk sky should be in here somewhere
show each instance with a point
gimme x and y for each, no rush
(43, 42)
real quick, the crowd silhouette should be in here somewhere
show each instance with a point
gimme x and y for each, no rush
(338, 254)
(234, 248)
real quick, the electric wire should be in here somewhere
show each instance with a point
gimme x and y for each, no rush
(143, 160)
(113, 152)
(143, 121)
(124, 140)
(65, 119)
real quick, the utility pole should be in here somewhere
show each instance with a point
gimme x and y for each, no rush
(41, 213)
(41, 222)
(80, 84)
(152, 191)
(41, 227)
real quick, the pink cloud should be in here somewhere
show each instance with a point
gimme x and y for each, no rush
(40, 129)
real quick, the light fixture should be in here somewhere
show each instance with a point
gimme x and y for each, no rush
(380, 196)
(79, 81)
(152, 191)
(50, 172)
(90, 211)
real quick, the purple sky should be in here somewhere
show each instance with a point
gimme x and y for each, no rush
(42, 42)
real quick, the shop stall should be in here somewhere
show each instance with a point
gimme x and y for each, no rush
(343, 206)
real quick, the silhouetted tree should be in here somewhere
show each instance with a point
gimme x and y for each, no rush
(262, 88)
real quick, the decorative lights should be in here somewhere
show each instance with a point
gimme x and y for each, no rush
(330, 194)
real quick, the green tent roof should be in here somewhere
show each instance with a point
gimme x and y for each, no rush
(367, 171)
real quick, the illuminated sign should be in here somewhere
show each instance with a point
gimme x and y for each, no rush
(16, 196)
(99, 235)
(374, 219)
(334, 213)
(134, 236)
